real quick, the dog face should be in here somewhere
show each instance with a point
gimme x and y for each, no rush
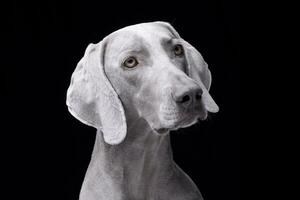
(147, 66)
(146, 70)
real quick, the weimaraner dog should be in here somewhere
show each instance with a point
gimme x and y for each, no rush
(135, 86)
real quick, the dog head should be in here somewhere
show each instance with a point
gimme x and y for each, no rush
(145, 69)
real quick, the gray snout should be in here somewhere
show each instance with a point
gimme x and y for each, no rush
(187, 96)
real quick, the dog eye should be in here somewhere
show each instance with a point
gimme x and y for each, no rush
(130, 62)
(178, 50)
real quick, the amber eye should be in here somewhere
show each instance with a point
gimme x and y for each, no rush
(130, 62)
(178, 50)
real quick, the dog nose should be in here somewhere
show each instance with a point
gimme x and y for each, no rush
(188, 96)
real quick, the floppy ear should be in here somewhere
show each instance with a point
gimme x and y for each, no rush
(198, 70)
(91, 98)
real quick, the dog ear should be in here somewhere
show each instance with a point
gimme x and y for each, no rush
(198, 70)
(91, 98)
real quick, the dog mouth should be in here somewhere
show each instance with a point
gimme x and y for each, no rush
(186, 121)
(179, 123)
(162, 131)
(172, 118)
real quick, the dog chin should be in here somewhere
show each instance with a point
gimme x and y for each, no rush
(174, 125)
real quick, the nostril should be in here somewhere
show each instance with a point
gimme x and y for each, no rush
(198, 96)
(185, 98)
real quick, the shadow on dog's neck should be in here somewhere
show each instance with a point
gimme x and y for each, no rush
(139, 162)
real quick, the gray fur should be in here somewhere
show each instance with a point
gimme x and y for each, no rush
(134, 110)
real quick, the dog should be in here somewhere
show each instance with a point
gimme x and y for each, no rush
(135, 86)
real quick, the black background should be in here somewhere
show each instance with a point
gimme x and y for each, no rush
(48, 150)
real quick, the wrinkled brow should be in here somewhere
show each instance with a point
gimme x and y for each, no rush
(135, 45)
(132, 43)
(168, 40)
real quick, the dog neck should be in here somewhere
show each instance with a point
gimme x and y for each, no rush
(133, 167)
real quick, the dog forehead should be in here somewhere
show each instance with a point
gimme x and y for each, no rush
(147, 30)
(138, 36)
(124, 40)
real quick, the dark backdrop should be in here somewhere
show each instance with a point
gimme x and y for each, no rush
(48, 150)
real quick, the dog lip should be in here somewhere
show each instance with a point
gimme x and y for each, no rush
(182, 123)
(185, 120)
(161, 131)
